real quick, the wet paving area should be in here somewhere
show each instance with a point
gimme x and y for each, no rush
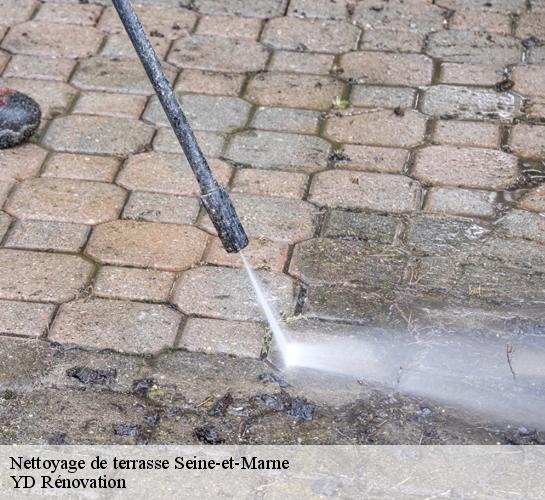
(387, 161)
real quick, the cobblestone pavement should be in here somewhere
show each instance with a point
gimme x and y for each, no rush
(385, 157)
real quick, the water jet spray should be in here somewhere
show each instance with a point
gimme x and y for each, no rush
(213, 196)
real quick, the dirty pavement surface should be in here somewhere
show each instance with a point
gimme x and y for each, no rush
(385, 157)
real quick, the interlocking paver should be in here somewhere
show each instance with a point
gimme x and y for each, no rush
(387, 68)
(45, 235)
(531, 24)
(118, 46)
(372, 191)
(382, 97)
(158, 207)
(462, 202)
(17, 11)
(84, 167)
(66, 200)
(378, 127)
(534, 199)
(398, 41)
(133, 284)
(301, 62)
(372, 158)
(466, 167)
(493, 22)
(105, 104)
(46, 39)
(302, 121)
(312, 35)
(471, 74)
(523, 224)
(25, 318)
(230, 295)
(527, 140)
(270, 183)
(362, 226)
(167, 247)
(123, 326)
(465, 133)
(320, 9)
(209, 82)
(85, 14)
(167, 173)
(230, 27)
(529, 80)
(284, 89)
(42, 277)
(39, 68)
(22, 162)
(277, 150)
(211, 143)
(97, 135)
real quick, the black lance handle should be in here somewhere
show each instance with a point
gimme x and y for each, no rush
(213, 196)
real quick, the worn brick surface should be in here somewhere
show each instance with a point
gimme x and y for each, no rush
(133, 284)
(230, 27)
(17, 11)
(25, 318)
(382, 97)
(302, 121)
(523, 224)
(320, 9)
(39, 276)
(467, 167)
(123, 326)
(49, 40)
(528, 140)
(158, 207)
(167, 247)
(529, 80)
(105, 104)
(378, 128)
(84, 167)
(534, 199)
(209, 82)
(85, 14)
(52, 236)
(119, 46)
(463, 202)
(39, 68)
(371, 158)
(67, 200)
(371, 191)
(493, 22)
(471, 74)
(313, 35)
(270, 183)
(465, 133)
(22, 162)
(301, 62)
(363, 226)
(256, 8)
(398, 41)
(387, 68)
(230, 294)
(211, 143)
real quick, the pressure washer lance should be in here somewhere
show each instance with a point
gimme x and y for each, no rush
(213, 196)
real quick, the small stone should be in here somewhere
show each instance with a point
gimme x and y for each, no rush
(131, 327)
(25, 318)
(213, 336)
(372, 159)
(270, 183)
(462, 202)
(49, 236)
(20, 117)
(225, 293)
(133, 284)
(167, 247)
(156, 207)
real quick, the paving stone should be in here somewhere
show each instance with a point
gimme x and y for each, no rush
(167, 173)
(312, 35)
(261, 253)
(301, 62)
(528, 140)
(533, 200)
(50, 236)
(468, 47)
(531, 24)
(537, 55)
(278, 219)
(156, 207)
(515, 253)
(372, 158)
(276, 150)
(529, 80)
(97, 135)
(5, 221)
(209, 82)
(230, 27)
(462, 202)
(70, 14)
(39, 68)
(294, 120)
(382, 97)
(167, 247)
(212, 336)
(126, 76)
(211, 143)
(120, 47)
(104, 104)
(133, 284)
(387, 68)
(320, 9)
(132, 327)
(66, 200)
(333, 261)
(492, 22)
(289, 90)
(47, 39)
(225, 293)
(471, 74)
(363, 226)
(522, 224)
(83, 167)
(378, 128)
(17, 11)
(54, 98)
(218, 53)
(466, 167)
(40, 276)
(373, 191)
(25, 318)
(410, 15)
(449, 101)
(391, 40)
(158, 20)
(256, 8)
(204, 112)
(22, 162)
(484, 8)
(270, 183)
(5, 187)
(464, 133)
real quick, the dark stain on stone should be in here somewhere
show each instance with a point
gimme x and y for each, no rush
(301, 409)
(126, 429)
(142, 386)
(220, 406)
(505, 85)
(92, 376)
(267, 378)
(208, 435)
